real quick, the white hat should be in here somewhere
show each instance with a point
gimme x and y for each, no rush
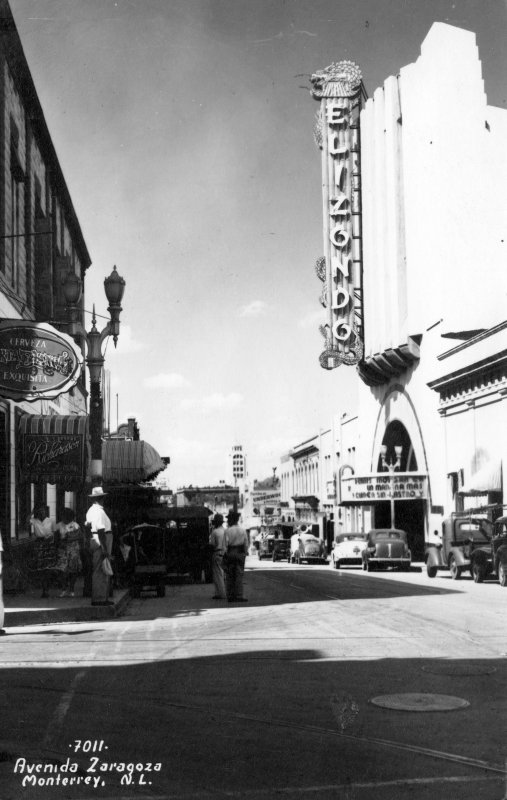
(97, 491)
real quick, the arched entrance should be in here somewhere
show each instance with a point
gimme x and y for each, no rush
(397, 456)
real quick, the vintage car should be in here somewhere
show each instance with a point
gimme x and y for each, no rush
(142, 559)
(488, 558)
(347, 549)
(386, 547)
(281, 550)
(265, 547)
(462, 533)
(306, 547)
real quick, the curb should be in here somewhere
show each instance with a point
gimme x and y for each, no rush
(15, 618)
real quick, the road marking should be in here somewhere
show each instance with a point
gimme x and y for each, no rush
(61, 710)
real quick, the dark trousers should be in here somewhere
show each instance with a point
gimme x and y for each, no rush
(234, 564)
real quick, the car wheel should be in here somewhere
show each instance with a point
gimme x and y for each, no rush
(161, 590)
(135, 591)
(369, 567)
(502, 573)
(478, 572)
(431, 571)
(337, 564)
(454, 569)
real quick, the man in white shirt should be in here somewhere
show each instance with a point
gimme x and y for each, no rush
(236, 549)
(100, 545)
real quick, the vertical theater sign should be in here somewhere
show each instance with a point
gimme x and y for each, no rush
(339, 90)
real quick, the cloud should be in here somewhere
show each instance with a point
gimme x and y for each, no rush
(313, 319)
(126, 344)
(254, 309)
(214, 402)
(166, 380)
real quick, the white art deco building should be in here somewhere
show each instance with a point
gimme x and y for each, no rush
(428, 290)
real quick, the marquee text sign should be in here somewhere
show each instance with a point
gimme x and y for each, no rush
(338, 87)
(36, 361)
(384, 486)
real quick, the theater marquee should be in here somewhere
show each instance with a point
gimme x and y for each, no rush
(339, 88)
(384, 486)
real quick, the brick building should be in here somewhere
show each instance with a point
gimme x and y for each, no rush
(40, 241)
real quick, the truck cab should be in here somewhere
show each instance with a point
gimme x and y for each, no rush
(462, 533)
(491, 557)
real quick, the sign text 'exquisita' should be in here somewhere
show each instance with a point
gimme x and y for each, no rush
(36, 360)
(339, 90)
(384, 486)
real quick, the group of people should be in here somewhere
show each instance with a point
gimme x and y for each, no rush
(68, 550)
(230, 548)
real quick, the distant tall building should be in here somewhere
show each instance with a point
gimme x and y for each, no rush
(236, 465)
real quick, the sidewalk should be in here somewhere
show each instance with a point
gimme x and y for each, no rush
(30, 609)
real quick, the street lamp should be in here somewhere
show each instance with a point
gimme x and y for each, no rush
(391, 466)
(114, 287)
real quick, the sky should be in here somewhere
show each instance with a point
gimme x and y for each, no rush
(184, 129)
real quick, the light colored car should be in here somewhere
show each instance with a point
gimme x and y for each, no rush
(306, 547)
(347, 548)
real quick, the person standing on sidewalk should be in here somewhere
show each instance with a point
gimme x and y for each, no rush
(216, 540)
(236, 549)
(100, 545)
(69, 551)
(45, 550)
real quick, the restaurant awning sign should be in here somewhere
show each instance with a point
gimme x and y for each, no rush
(383, 486)
(53, 449)
(36, 361)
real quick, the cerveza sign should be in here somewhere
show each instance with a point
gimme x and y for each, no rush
(36, 361)
(384, 486)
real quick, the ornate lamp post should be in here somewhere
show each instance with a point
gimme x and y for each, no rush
(391, 467)
(114, 287)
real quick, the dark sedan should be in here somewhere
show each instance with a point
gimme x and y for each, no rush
(386, 547)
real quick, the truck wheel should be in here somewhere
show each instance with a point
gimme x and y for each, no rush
(478, 572)
(431, 571)
(454, 569)
(502, 573)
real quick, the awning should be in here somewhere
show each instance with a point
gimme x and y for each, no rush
(53, 449)
(125, 461)
(487, 479)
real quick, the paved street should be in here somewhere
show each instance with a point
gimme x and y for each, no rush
(206, 699)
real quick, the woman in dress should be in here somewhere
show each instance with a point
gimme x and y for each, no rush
(44, 551)
(69, 551)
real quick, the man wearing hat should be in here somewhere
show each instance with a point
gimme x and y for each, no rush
(236, 550)
(100, 545)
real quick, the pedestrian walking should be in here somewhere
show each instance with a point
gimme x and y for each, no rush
(70, 538)
(236, 549)
(216, 541)
(44, 546)
(100, 545)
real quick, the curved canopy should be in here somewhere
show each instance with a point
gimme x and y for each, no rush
(126, 461)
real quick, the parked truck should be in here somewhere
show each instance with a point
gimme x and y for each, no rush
(461, 533)
(490, 557)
